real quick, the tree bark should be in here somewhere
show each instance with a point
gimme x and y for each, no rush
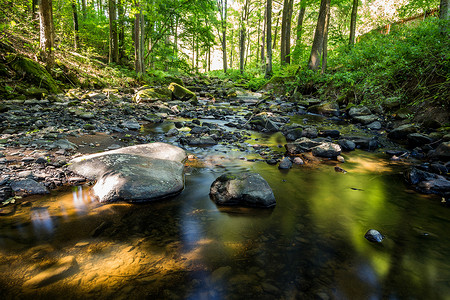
(274, 46)
(83, 8)
(75, 25)
(317, 47)
(46, 37)
(222, 8)
(353, 22)
(242, 35)
(285, 39)
(113, 38)
(121, 29)
(138, 43)
(444, 11)
(325, 39)
(300, 18)
(263, 41)
(34, 13)
(269, 38)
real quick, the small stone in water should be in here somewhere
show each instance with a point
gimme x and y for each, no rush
(374, 236)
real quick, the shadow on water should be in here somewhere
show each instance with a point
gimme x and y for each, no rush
(311, 245)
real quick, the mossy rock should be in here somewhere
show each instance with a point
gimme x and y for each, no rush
(34, 72)
(327, 108)
(182, 93)
(35, 92)
(152, 95)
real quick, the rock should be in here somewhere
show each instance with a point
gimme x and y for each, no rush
(418, 139)
(301, 145)
(340, 159)
(201, 141)
(374, 236)
(28, 187)
(443, 151)
(246, 189)
(293, 134)
(5, 192)
(401, 132)
(328, 109)
(58, 271)
(221, 274)
(328, 150)
(172, 132)
(347, 145)
(131, 125)
(310, 132)
(298, 161)
(427, 183)
(365, 119)
(357, 111)
(152, 95)
(63, 144)
(285, 164)
(374, 125)
(181, 93)
(136, 174)
(332, 133)
(35, 92)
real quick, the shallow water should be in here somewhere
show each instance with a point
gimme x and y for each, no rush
(310, 246)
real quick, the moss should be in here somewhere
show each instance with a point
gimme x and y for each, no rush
(182, 93)
(35, 73)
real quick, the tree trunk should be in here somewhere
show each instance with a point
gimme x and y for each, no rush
(269, 38)
(263, 41)
(317, 47)
(353, 23)
(141, 43)
(258, 41)
(75, 25)
(274, 46)
(138, 43)
(46, 39)
(325, 39)
(444, 12)
(83, 8)
(286, 32)
(241, 48)
(301, 17)
(231, 49)
(222, 7)
(113, 39)
(121, 23)
(34, 13)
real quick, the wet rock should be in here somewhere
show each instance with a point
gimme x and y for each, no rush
(310, 132)
(428, 183)
(298, 161)
(28, 187)
(365, 143)
(374, 236)
(285, 164)
(357, 111)
(293, 134)
(327, 150)
(131, 125)
(201, 141)
(347, 145)
(301, 145)
(58, 271)
(5, 192)
(266, 122)
(401, 132)
(339, 169)
(328, 109)
(172, 132)
(246, 189)
(443, 151)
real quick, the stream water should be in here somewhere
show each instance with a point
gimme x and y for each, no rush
(310, 246)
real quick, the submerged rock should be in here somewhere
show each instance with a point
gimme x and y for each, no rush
(247, 189)
(58, 271)
(28, 187)
(285, 164)
(374, 236)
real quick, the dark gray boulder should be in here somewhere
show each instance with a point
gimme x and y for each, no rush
(418, 139)
(401, 132)
(327, 108)
(428, 183)
(246, 189)
(285, 164)
(443, 151)
(365, 120)
(28, 187)
(293, 134)
(347, 145)
(357, 111)
(374, 236)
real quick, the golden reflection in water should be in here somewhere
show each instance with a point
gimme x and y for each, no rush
(369, 165)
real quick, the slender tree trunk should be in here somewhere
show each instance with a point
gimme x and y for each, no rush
(258, 41)
(113, 38)
(287, 40)
(209, 58)
(353, 22)
(75, 25)
(46, 38)
(317, 47)
(241, 48)
(121, 25)
(263, 41)
(83, 8)
(274, 46)
(223, 16)
(444, 10)
(247, 51)
(231, 49)
(138, 55)
(34, 12)
(301, 16)
(325, 40)
(142, 37)
(269, 38)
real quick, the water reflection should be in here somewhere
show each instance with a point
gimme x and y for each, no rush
(42, 222)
